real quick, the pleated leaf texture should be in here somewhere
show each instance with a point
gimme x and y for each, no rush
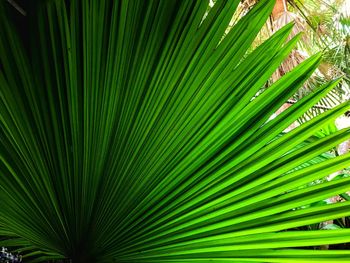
(131, 132)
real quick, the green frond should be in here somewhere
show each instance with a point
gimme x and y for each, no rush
(131, 132)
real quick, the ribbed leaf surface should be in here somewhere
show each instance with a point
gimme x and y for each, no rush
(131, 132)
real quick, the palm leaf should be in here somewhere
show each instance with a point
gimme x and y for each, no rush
(130, 132)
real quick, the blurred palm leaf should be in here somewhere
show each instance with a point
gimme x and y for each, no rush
(323, 24)
(129, 133)
(329, 33)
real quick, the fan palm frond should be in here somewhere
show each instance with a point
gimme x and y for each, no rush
(130, 133)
